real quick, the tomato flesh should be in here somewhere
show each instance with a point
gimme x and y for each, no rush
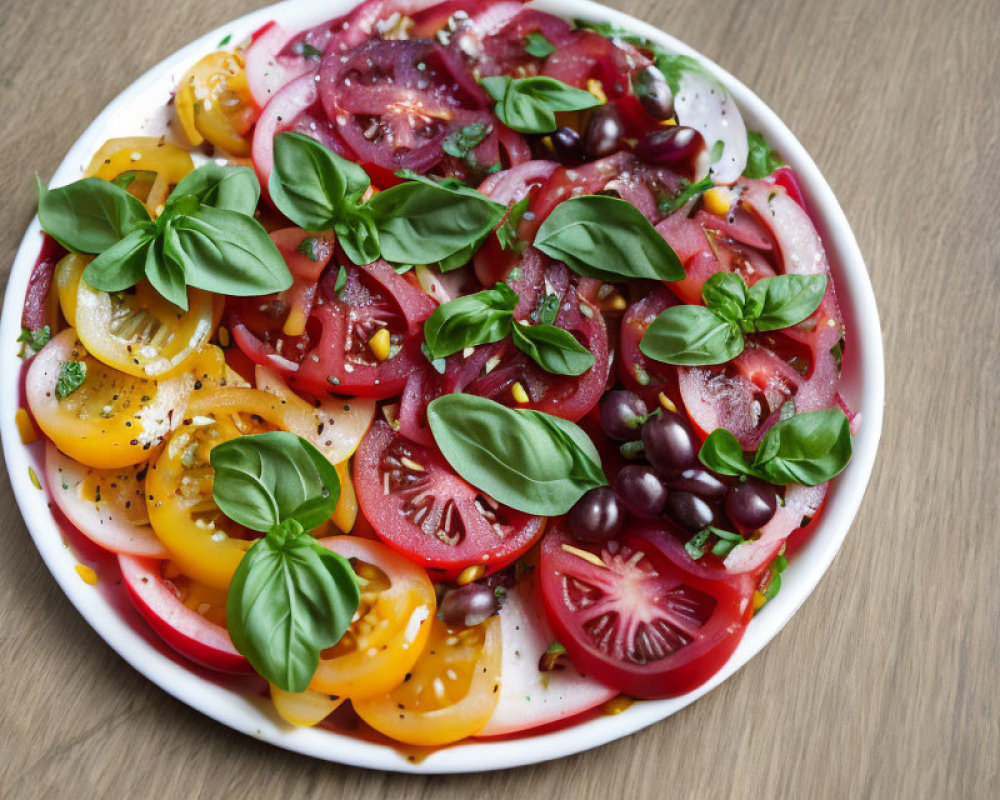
(419, 506)
(643, 622)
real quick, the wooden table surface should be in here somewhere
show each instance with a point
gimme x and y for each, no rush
(885, 683)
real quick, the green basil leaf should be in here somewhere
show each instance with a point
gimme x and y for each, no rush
(555, 350)
(727, 541)
(341, 281)
(785, 300)
(535, 44)
(471, 320)
(722, 452)
(688, 191)
(421, 221)
(226, 252)
(809, 448)
(33, 340)
(357, 232)
(528, 460)
(165, 275)
(691, 336)
(289, 599)
(310, 184)
(126, 179)
(725, 293)
(72, 374)
(695, 546)
(528, 105)
(460, 143)
(122, 265)
(761, 159)
(232, 188)
(268, 478)
(90, 215)
(606, 238)
(548, 310)
(507, 232)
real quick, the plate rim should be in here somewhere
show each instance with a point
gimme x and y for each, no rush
(238, 711)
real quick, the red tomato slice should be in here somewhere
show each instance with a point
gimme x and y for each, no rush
(646, 377)
(394, 101)
(334, 355)
(267, 68)
(636, 616)
(420, 507)
(530, 698)
(191, 634)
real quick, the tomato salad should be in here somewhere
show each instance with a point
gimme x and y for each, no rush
(455, 367)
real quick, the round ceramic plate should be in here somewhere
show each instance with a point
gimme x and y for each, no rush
(142, 110)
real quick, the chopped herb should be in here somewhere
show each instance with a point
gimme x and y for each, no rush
(632, 450)
(717, 149)
(225, 40)
(306, 50)
(688, 191)
(34, 340)
(460, 143)
(761, 159)
(535, 44)
(309, 247)
(341, 281)
(727, 540)
(695, 546)
(549, 309)
(72, 374)
(774, 583)
(837, 351)
(500, 593)
(507, 232)
(552, 658)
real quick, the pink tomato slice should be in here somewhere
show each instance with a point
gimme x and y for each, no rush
(190, 633)
(530, 698)
(107, 505)
(269, 69)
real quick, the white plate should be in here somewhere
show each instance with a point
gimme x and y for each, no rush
(141, 109)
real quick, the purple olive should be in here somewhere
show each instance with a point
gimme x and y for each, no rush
(700, 482)
(622, 415)
(670, 146)
(689, 511)
(605, 133)
(670, 444)
(598, 516)
(653, 93)
(568, 145)
(641, 490)
(468, 605)
(751, 503)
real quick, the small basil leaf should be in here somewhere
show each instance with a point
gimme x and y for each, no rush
(309, 182)
(688, 191)
(90, 215)
(528, 460)
(232, 188)
(528, 105)
(34, 340)
(471, 320)
(507, 232)
(226, 252)
(606, 238)
(809, 448)
(535, 44)
(120, 266)
(164, 274)
(725, 293)
(761, 159)
(460, 143)
(691, 336)
(555, 350)
(72, 375)
(357, 233)
(549, 309)
(785, 300)
(289, 599)
(723, 453)
(425, 222)
(265, 479)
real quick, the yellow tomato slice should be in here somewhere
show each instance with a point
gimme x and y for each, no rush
(390, 628)
(303, 709)
(452, 690)
(335, 425)
(112, 419)
(213, 102)
(140, 332)
(67, 279)
(202, 541)
(144, 154)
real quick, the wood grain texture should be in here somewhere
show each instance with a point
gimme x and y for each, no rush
(885, 683)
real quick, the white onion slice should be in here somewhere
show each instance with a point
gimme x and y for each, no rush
(704, 104)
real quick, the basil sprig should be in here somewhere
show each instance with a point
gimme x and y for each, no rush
(488, 316)
(319, 190)
(528, 460)
(206, 236)
(808, 448)
(290, 597)
(761, 159)
(529, 105)
(473, 319)
(714, 333)
(423, 221)
(606, 238)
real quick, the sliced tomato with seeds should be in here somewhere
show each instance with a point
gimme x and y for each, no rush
(334, 353)
(419, 506)
(635, 615)
(644, 376)
(395, 101)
